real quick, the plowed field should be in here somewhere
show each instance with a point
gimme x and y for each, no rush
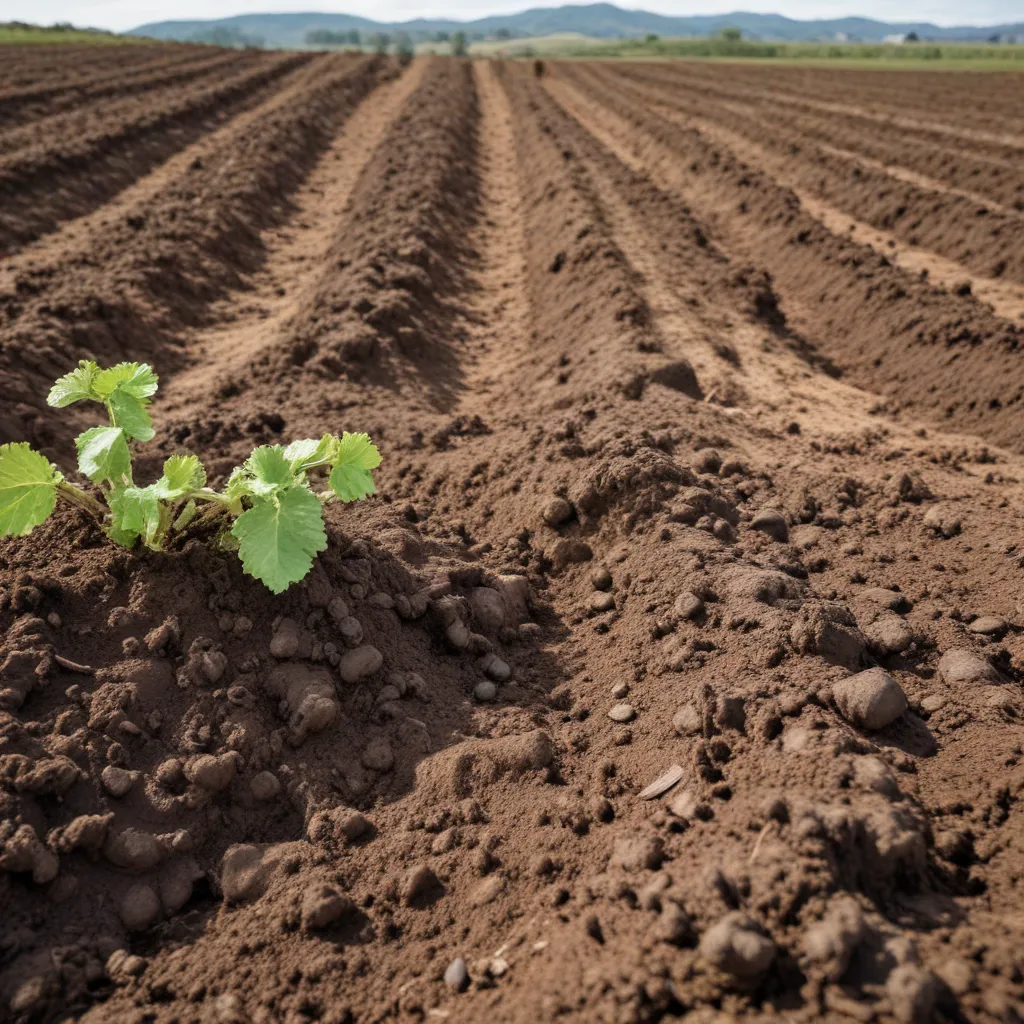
(676, 667)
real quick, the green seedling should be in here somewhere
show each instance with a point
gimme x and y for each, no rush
(271, 514)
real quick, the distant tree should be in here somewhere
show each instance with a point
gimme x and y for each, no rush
(997, 38)
(325, 37)
(379, 42)
(459, 44)
(731, 35)
(911, 37)
(652, 37)
(441, 37)
(503, 33)
(403, 46)
(354, 38)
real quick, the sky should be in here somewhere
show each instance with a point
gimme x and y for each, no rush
(125, 14)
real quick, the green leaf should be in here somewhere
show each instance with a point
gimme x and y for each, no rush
(74, 386)
(103, 455)
(269, 470)
(135, 511)
(28, 489)
(357, 450)
(131, 414)
(187, 514)
(354, 458)
(182, 473)
(279, 537)
(302, 454)
(134, 379)
(350, 483)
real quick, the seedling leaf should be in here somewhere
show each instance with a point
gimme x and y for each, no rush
(302, 454)
(130, 413)
(135, 379)
(103, 455)
(269, 470)
(74, 386)
(357, 450)
(135, 512)
(28, 489)
(182, 474)
(354, 458)
(350, 483)
(280, 536)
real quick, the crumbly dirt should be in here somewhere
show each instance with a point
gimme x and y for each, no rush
(675, 669)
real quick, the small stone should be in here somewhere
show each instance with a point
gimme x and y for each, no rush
(870, 699)
(213, 665)
(687, 721)
(620, 690)
(485, 691)
(212, 773)
(458, 636)
(456, 975)
(601, 578)
(933, 702)
(359, 664)
(322, 905)
(557, 512)
(771, 522)
(913, 992)
(988, 625)
(285, 641)
(140, 908)
(496, 669)
(383, 601)
(687, 606)
(638, 853)
(117, 781)
(966, 667)
(622, 713)
(350, 629)
(133, 850)
(378, 756)
(264, 786)
(338, 610)
(707, 460)
(889, 634)
(602, 602)
(488, 609)
(736, 946)
(942, 520)
(419, 884)
(121, 966)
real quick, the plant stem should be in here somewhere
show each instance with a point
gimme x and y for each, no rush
(74, 496)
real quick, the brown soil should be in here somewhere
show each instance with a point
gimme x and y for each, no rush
(669, 493)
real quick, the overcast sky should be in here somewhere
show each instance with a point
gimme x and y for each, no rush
(125, 14)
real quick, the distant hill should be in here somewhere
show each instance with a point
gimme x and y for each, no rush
(601, 20)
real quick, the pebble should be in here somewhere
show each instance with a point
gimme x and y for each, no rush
(140, 908)
(485, 691)
(942, 520)
(285, 641)
(350, 629)
(707, 460)
(488, 609)
(360, 664)
(458, 636)
(212, 773)
(117, 781)
(870, 699)
(378, 756)
(338, 610)
(771, 522)
(962, 666)
(602, 602)
(557, 512)
(601, 578)
(265, 786)
(134, 850)
(622, 713)
(687, 720)
(419, 882)
(933, 702)
(496, 669)
(456, 975)
(687, 605)
(620, 690)
(889, 634)
(322, 905)
(988, 625)
(736, 946)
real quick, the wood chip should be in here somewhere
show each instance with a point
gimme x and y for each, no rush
(663, 783)
(73, 666)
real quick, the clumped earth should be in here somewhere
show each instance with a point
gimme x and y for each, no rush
(676, 667)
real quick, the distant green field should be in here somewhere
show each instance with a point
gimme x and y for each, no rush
(947, 56)
(15, 32)
(563, 43)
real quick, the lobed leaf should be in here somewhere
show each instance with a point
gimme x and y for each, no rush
(130, 413)
(354, 458)
(182, 474)
(103, 455)
(75, 386)
(310, 452)
(268, 470)
(135, 512)
(280, 536)
(134, 379)
(350, 483)
(28, 489)
(356, 450)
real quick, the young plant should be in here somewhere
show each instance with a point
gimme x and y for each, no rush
(272, 516)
